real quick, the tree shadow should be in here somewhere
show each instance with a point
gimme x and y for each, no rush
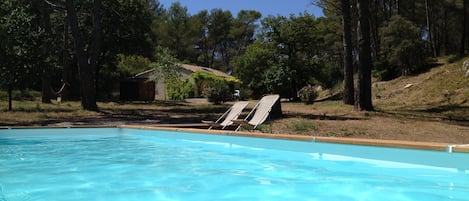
(324, 116)
(452, 114)
(108, 116)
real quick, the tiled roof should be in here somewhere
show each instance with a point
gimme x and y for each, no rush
(192, 68)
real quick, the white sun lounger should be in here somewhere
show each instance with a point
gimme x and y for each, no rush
(261, 111)
(231, 114)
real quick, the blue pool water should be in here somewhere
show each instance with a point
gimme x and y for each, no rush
(141, 165)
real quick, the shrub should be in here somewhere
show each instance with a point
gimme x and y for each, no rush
(452, 58)
(308, 94)
(217, 91)
(179, 89)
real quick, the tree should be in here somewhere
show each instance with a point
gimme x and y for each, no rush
(200, 24)
(465, 28)
(250, 66)
(242, 31)
(167, 70)
(403, 47)
(87, 57)
(349, 96)
(18, 50)
(130, 65)
(127, 28)
(364, 57)
(289, 54)
(297, 44)
(220, 24)
(174, 32)
(45, 23)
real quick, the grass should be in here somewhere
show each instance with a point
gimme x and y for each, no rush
(302, 126)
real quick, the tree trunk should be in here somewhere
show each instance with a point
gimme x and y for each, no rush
(398, 8)
(86, 70)
(96, 45)
(445, 33)
(375, 24)
(45, 23)
(364, 57)
(429, 28)
(348, 62)
(465, 32)
(10, 93)
(66, 71)
(46, 88)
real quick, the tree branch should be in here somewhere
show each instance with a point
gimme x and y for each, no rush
(55, 5)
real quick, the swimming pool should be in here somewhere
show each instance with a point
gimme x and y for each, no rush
(131, 164)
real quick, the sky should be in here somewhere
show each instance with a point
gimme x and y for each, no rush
(266, 7)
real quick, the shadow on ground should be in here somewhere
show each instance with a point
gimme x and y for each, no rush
(452, 114)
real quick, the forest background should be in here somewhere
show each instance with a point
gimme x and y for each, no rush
(89, 46)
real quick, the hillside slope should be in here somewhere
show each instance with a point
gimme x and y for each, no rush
(442, 92)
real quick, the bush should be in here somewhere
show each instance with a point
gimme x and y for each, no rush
(452, 58)
(308, 94)
(179, 89)
(217, 91)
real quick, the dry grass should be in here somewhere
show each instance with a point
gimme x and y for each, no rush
(435, 109)
(329, 118)
(376, 125)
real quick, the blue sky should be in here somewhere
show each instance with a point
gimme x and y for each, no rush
(266, 7)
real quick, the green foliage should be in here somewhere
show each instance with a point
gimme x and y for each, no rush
(127, 26)
(402, 45)
(132, 64)
(20, 39)
(166, 66)
(179, 89)
(208, 38)
(215, 88)
(201, 75)
(173, 29)
(21, 95)
(250, 66)
(452, 58)
(288, 55)
(308, 94)
(277, 79)
(217, 91)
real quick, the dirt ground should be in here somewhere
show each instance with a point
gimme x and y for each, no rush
(328, 118)
(375, 125)
(432, 106)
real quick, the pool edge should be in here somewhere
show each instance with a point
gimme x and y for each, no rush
(436, 146)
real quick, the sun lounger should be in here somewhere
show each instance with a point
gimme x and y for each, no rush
(259, 113)
(229, 115)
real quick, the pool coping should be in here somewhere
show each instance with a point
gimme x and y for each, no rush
(436, 146)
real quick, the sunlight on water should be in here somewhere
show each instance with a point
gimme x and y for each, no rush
(125, 164)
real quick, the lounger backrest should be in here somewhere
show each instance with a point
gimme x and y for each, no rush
(234, 113)
(263, 109)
